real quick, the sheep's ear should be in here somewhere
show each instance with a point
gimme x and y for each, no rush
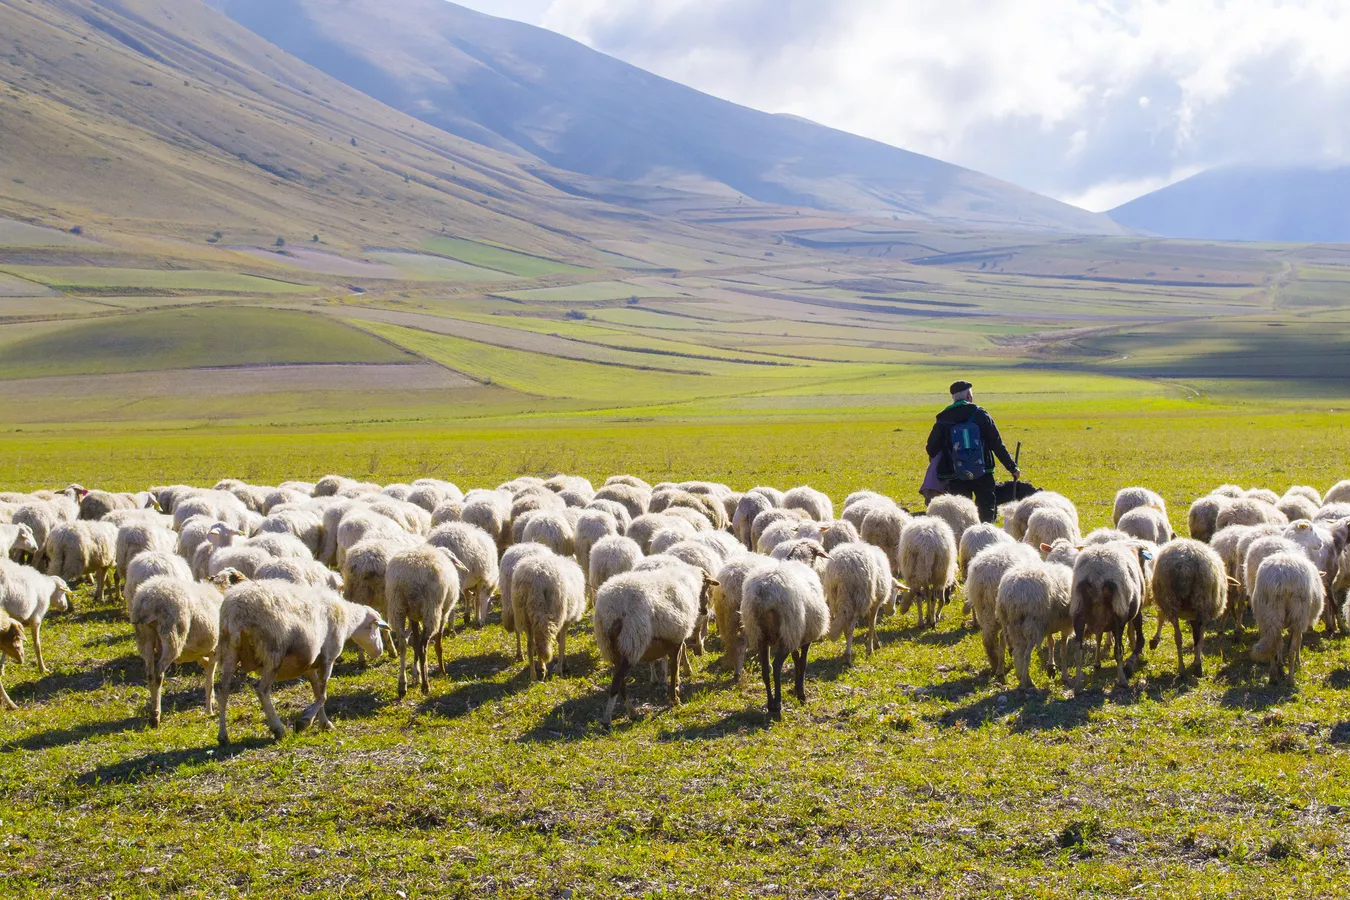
(1046, 548)
(901, 585)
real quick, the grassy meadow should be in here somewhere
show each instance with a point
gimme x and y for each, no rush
(132, 362)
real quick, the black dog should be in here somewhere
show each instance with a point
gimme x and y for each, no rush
(1009, 491)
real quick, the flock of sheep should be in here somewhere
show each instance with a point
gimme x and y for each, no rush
(278, 580)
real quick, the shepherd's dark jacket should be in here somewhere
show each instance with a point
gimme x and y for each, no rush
(939, 439)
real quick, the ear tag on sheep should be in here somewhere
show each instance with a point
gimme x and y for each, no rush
(1146, 554)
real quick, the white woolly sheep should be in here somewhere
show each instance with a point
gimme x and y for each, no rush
(1032, 608)
(548, 593)
(698, 520)
(810, 501)
(11, 647)
(304, 525)
(449, 511)
(283, 631)
(726, 600)
(136, 538)
(928, 567)
(1319, 544)
(491, 513)
(958, 512)
(1016, 524)
(1265, 495)
(1049, 524)
(975, 539)
(1288, 596)
(17, 542)
(474, 548)
(633, 498)
(750, 506)
(1105, 536)
(645, 527)
(1108, 597)
(1203, 519)
(178, 621)
(513, 557)
(152, 564)
(1136, 498)
(783, 611)
(27, 596)
(553, 531)
(79, 549)
(301, 571)
(774, 494)
(1339, 493)
(360, 525)
(609, 557)
(1258, 551)
(767, 519)
(592, 525)
(1145, 523)
(857, 511)
(644, 616)
(1062, 552)
(365, 568)
(1333, 513)
(982, 580)
(840, 532)
(408, 516)
(1190, 584)
(882, 527)
(1248, 511)
(617, 510)
(857, 583)
(777, 533)
(420, 590)
(1298, 508)
(1307, 492)
(40, 517)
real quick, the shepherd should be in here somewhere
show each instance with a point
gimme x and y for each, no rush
(961, 450)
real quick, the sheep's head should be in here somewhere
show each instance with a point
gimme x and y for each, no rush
(24, 542)
(370, 631)
(227, 578)
(222, 535)
(11, 641)
(60, 591)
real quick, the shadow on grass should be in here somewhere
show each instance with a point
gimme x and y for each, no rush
(353, 705)
(139, 768)
(573, 720)
(481, 665)
(466, 698)
(121, 670)
(102, 614)
(1339, 679)
(61, 737)
(742, 722)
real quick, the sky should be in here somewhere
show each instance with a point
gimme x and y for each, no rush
(1090, 101)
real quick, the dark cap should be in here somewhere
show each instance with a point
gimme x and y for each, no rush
(961, 387)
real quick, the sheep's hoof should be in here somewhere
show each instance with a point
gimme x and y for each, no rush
(154, 721)
(326, 725)
(300, 725)
(801, 696)
(223, 739)
(1153, 644)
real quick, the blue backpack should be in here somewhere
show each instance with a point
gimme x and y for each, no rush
(967, 451)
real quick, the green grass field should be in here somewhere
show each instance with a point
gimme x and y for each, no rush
(909, 774)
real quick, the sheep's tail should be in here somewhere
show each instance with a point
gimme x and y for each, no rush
(1116, 600)
(768, 625)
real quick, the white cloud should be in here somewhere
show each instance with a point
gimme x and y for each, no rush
(1081, 99)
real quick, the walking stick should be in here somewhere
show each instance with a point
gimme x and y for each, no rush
(1017, 460)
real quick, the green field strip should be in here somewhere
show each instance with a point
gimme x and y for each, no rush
(76, 278)
(590, 292)
(501, 259)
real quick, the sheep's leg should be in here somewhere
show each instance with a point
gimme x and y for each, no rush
(678, 661)
(848, 647)
(1136, 627)
(1295, 654)
(1121, 678)
(422, 638)
(360, 658)
(1157, 637)
(37, 645)
(5, 702)
(163, 660)
(799, 669)
(98, 584)
(767, 673)
(617, 687)
(1079, 632)
(562, 650)
(519, 656)
(229, 660)
(686, 668)
(440, 650)
(993, 649)
(401, 638)
(872, 642)
(779, 657)
(469, 602)
(209, 675)
(318, 680)
(1181, 660)
(1198, 636)
(264, 689)
(530, 652)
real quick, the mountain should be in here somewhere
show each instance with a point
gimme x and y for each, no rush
(165, 117)
(546, 98)
(1248, 203)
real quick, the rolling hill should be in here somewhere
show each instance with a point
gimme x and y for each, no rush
(165, 117)
(546, 98)
(1248, 203)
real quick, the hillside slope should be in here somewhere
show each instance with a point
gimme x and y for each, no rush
(1248, 203)
(535, 93)
(163, 116)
